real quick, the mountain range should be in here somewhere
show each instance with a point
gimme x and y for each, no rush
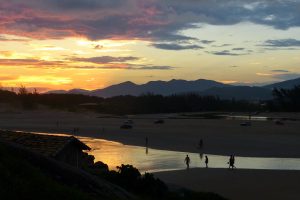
(201, 86)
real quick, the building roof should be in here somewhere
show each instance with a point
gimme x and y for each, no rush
(48, 145)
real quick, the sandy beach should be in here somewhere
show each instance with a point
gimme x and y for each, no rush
(238, 184)
(221, 137)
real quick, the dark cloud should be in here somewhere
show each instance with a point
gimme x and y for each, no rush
(227, 53)
(29, 62)
(168, 46)
(125, 67)
(98, 46)
(152, 20)
(156, 68)
(107, 62)
(238, 49)
(282, 43)
(81, 4)
(105, 59)
(5, 39)
(280, 70)
(222, 45)
(207, 41)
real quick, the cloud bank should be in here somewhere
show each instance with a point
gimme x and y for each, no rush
(151, 20)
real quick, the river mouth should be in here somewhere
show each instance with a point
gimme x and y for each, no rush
(154, 160)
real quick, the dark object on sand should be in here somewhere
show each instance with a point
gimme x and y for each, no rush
(278, 122)
(126, 126)
(129, 121)
(159, 121)
(246, 124)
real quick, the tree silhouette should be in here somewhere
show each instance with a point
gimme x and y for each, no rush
(287, 99)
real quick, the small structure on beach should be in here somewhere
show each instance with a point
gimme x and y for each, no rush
(67, 149)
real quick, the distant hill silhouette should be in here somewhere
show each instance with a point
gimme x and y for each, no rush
(155, 87)
(73, 91)
(285, 84)
(201, 86)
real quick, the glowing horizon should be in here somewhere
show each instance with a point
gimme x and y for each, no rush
(93, 44)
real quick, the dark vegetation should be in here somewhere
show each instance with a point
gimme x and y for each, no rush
(28, 176)
(284, 100)
(131, 179)
(148, 187)
(22, 180)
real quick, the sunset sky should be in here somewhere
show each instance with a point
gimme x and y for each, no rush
(90, 44)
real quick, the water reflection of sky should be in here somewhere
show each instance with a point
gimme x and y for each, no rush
(114, 154)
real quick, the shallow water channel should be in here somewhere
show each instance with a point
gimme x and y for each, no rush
(154, 160)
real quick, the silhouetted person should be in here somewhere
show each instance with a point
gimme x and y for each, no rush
(146, 141)
(206, 161)
(146, 144)
(201, 144)
(187, 161)
(231, 162)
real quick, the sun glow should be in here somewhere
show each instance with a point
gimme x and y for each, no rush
(52, 80)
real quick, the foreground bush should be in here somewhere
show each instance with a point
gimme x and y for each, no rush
(148, 187)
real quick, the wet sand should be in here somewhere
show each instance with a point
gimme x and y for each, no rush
(221, 137)
(238, 184)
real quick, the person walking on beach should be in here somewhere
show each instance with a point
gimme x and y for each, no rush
(187, 161)
(206, 161)
(231, 162)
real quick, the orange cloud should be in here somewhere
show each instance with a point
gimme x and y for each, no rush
(29, 62)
